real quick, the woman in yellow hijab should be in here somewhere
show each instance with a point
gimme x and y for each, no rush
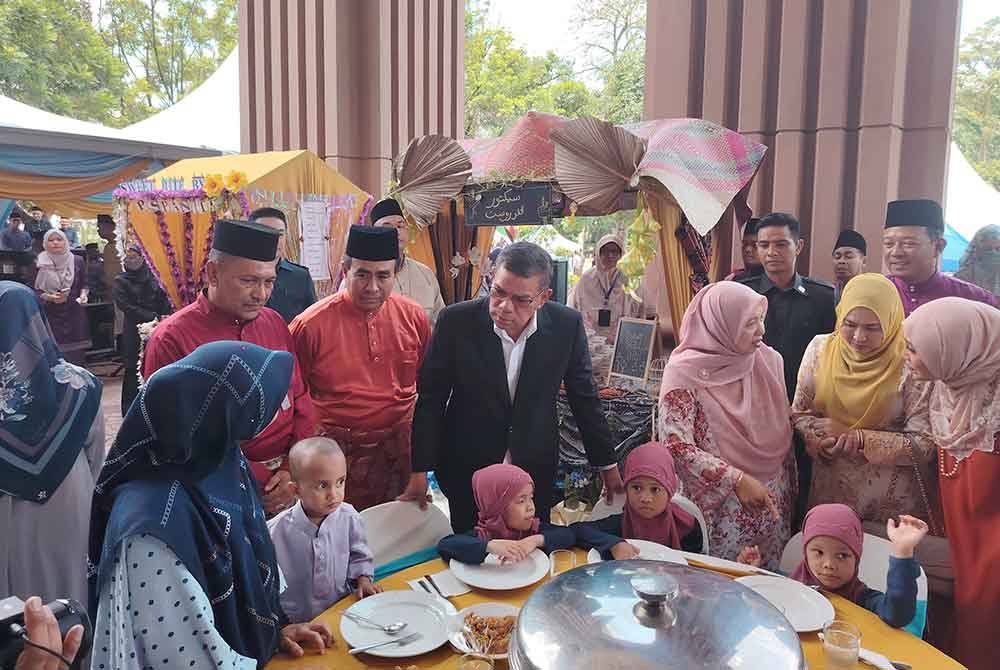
(864, 421)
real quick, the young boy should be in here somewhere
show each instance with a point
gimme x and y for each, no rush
(320, 541)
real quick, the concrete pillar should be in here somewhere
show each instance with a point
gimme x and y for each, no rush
(851, 97)
(351, 80)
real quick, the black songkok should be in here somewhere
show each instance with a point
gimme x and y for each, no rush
(245, 239)
(371, 243)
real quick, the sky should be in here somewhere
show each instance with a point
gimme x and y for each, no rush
(541, 25)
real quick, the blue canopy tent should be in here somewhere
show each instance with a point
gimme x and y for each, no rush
(70, 166)
(953, 252)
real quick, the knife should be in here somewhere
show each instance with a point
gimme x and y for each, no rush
(430, 580)
(403, 640)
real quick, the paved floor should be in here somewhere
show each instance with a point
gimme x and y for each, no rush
(110, 401)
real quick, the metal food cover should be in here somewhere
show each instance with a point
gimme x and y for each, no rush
(646, 615)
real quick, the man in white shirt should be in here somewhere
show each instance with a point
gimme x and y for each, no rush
(488, 386)
(414, 280)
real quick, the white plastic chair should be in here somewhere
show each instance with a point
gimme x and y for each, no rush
(603, 510)
(396, 529)
(873, 571)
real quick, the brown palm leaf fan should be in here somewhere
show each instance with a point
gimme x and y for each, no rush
(433, 169)
(595, 162)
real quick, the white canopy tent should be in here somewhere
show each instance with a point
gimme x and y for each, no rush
(26, 126)
(208, 116)
(970, 202)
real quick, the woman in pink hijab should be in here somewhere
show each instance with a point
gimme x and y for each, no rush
(724, 416)
(506, 525)
(956, 344)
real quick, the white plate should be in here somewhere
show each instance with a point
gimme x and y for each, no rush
(482, 609)
(723, 564)
(423, 613)
(805, 608)
(494, 576)
(648, 551)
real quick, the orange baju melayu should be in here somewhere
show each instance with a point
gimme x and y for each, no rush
(361, 370)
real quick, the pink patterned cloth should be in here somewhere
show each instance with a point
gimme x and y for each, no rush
(494, 487)
(743, 391)
(653, 460)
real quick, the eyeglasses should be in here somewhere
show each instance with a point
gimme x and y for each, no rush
(500, 295)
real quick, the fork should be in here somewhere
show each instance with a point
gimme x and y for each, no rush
(412, 637)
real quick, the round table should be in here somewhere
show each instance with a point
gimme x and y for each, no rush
(893, 643)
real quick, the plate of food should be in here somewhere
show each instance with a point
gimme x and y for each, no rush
(648, 551)
(483, 629)
(425, 615)
(805, 608)
(495, 575)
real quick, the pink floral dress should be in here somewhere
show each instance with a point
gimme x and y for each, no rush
(709, 482)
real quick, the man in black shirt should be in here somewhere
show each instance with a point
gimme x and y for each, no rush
(798, 309)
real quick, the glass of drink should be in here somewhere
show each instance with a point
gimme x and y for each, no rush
(560, 561)
(475, 662)
(841, 644)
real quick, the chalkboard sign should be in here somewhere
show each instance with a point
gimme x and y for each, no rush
(527, 204)
(633, 349)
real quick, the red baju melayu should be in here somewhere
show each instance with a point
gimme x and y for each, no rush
(361, 370)
(202, 322)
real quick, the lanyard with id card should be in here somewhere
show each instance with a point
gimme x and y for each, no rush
(604, 315)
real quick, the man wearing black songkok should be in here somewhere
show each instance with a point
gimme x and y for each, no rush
(912, 244)
(849, 256)
(240, 275)
(360, 351)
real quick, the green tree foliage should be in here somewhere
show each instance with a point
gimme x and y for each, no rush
(613, 34)
(168, 47)
(52, 57)
(977, 101)
(503, 82)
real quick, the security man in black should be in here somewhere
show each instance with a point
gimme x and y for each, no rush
(293, 290)
(798, 309)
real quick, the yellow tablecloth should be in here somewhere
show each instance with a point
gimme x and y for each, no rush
(894, 644)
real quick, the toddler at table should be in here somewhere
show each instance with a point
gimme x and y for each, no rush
(832, 542)
(320, 541)
(649, 514)
(507, 526)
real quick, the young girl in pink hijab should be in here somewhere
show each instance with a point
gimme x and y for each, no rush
(832, 542)
(507, 526)
(649, 514)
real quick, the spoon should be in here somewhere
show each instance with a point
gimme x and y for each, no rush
(388, 629)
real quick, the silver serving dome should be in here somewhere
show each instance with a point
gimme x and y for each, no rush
(645, 615)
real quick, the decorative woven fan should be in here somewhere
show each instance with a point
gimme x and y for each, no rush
(432, 169)
(595, 162)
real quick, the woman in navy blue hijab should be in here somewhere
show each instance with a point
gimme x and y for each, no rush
(51, 451)
(184, 572)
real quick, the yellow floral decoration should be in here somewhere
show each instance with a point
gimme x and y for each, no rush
(213, 185)
(236, 180)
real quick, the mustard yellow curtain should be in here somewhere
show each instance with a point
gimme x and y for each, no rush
(676, 267)
(39, 188)
(187, 259)
(421, 248)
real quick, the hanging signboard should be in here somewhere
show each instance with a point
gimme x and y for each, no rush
(519, 204)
